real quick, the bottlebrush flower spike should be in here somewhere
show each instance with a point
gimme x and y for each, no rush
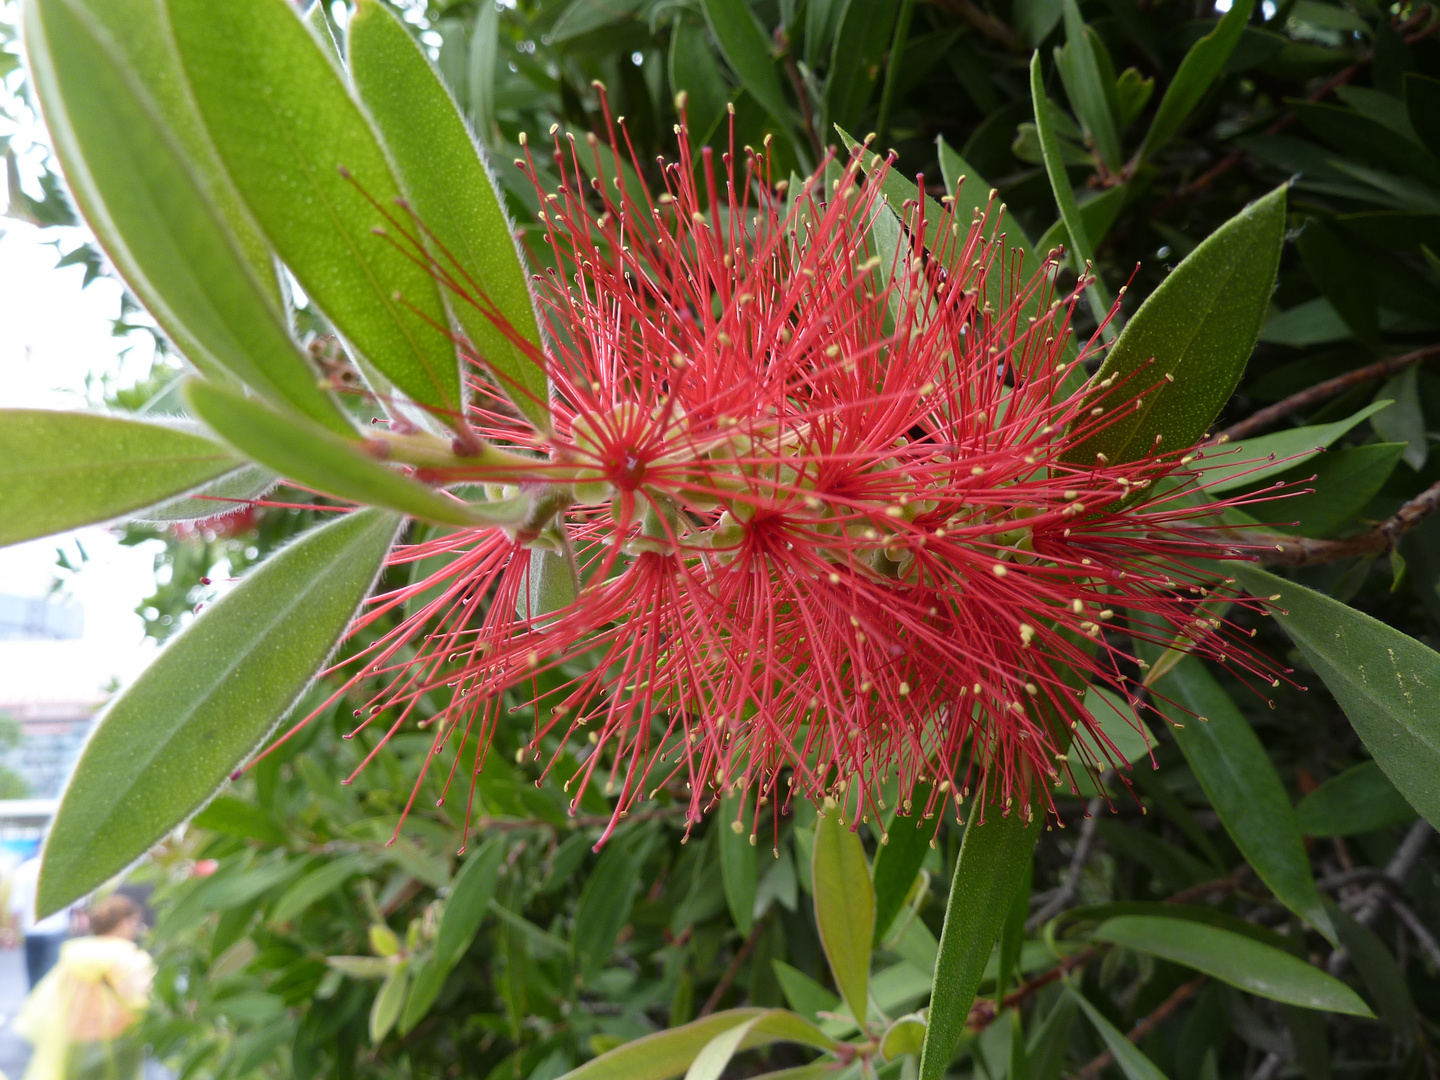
(820, 495)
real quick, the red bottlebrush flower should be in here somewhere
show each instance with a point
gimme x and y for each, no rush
(821, 497)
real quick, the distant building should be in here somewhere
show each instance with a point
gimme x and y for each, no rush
(41, 690)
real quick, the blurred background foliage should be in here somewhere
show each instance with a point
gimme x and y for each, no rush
(293, 941)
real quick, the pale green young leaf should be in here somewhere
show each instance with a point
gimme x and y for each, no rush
(453, 195)
(310, 167)
(170, 740)
(844, 907)
(224, 495)
(156, 198)
(60, 470)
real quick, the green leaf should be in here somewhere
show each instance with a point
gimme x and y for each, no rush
(1422, 104)
(1386, 681)
(1233, 958)
(426, 982)
(313, 456)
(806, 996)
(1082, 252)
(694, 70)
(904, 1036)
(1242, 785)
(1045, 1053)
(1132, 1061)
(860, 44)
(1234, 465)
(1199, 327)
(993, 859)
(714, 1058)
(1126, 737)
(844, 907)
(231, 492)
(1201, 66)
(316, 885)
(1405, 421)
(1380, 973)
(1096, 216)
(906, 842)
(60, 470)
(1085, 83)
(739, 872)
(236, 817)
(208, 699)
(157, 199)
(451, 191)
(747, 50)
(285, 126)
(551, 585)
(1359, 800)
(389, 1000)
(604, 907)
(670, 1053)
(468, 901)
(1344, 482)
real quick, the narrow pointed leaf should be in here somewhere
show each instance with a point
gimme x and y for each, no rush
(310, 455)
(1199, 328)
(156, 198)
(285, 126)
(1088, 93)
(748, 51)
(170, 740)
(993, 860)
(452, 193)
(1233, 958)
(1081, 249)
(60, 470)
(604, 908)
(468, 901)
(739, 870)
(844, 907)
(225, 495)
(1131, 1059)
(1201, 66)
(897, 863)
(1242, 785)
(1359, 800)
(1237, 465)
(1386, 682)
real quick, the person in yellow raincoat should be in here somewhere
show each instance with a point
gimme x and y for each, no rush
(82, 1015)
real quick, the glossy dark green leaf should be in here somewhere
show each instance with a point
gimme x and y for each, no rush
(1131, 1059)
(747, 50)
(1199, 328)
(993, 860)
(1202, 64)
(208, 699)
(1386, 681)
(157, 199)
(1085, 81)
(286, 126)
(739, 870)
(1343, 483)
(1359, 800)
(604, 908)
(311, 455)
(844, 907)
(1237, 465)
(897, 864)
(1233, 958)
(452, 193)
(468, 901)
(60, 470)
(1242, 785)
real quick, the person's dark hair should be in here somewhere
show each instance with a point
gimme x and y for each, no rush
(111, 912)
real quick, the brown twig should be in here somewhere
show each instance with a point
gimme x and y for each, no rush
(1071, 885)
(1099, 1063)
(984, 1012)
(1384, 537)
(741, 955)
(1397, 870)
(1321, 391)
